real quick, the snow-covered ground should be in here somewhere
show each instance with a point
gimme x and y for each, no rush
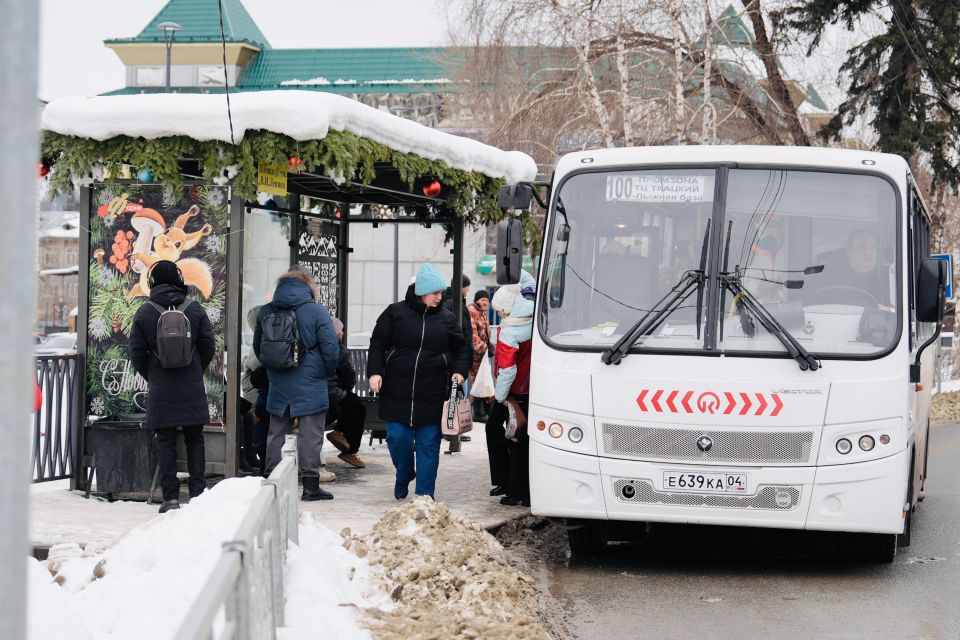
(150, 577)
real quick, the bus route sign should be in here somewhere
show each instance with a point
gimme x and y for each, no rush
(949, 260)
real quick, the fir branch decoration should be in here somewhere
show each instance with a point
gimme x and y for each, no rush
(340, 155)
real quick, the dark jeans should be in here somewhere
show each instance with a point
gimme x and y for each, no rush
(415, 452)
(498, 454)
(351, 416)
(167, 459)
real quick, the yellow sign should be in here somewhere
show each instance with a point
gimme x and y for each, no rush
(272, 177)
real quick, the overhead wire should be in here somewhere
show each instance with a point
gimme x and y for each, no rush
(226, 78)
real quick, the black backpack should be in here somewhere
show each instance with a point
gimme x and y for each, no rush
(174, 336)
(280, 345)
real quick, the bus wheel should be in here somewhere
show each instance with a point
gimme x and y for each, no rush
(874, 547)
(588, 540)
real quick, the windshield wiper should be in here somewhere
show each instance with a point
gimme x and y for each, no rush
(690, 281)
(746, 301)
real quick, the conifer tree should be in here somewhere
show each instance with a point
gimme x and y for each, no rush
(904, 80)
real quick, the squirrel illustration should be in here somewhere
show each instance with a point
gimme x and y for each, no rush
(170, 245)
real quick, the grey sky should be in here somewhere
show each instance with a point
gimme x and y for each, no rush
(73, 60)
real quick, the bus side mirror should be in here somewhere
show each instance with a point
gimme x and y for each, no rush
(515, 196)
(931, 290)
(509, 251)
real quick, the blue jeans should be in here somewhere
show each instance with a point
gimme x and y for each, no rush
(402, 440)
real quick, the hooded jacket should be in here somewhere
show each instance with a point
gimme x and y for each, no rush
(514, 340)
(416, 349)
(301, 390)
(175, 397)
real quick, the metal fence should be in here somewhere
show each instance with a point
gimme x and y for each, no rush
(243, 596)
(55, 426)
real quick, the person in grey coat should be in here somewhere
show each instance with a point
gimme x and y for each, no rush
(301, 392)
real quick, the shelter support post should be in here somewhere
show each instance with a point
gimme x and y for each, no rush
(343, 267)
(457, 267)
(77, 480)
(232, 342)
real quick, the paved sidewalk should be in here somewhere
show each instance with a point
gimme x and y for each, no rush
(361, 497)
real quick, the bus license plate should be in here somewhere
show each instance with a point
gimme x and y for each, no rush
(706, 482)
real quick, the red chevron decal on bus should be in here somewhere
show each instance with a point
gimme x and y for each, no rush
(707, 403)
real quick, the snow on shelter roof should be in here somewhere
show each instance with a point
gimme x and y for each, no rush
(302, 115)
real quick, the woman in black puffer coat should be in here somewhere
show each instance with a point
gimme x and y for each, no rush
(416, 349)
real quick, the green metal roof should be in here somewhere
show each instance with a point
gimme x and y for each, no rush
(201, 23)
(387, 70)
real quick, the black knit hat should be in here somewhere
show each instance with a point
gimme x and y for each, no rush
(464, 281)
(166, 272)
(479, 295)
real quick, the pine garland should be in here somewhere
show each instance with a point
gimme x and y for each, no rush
(340, 155)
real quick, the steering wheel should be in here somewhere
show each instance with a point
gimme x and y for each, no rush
(818, 295)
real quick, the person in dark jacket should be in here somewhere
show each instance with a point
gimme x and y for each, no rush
(176, 398)
(345, 406)
(301, 392)
(416, 349)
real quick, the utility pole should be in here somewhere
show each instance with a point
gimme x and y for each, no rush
(19, 108)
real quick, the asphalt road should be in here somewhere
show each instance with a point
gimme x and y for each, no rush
(720, 582)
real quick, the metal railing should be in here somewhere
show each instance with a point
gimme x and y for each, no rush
(55, 426)
(246, 584)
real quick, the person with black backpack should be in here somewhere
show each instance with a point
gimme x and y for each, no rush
(295, 341)
(171, 344)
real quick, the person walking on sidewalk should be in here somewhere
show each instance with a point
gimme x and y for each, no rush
(346, 408)
(417, 348)
(512, 372)
(299, 391)
(176, 396)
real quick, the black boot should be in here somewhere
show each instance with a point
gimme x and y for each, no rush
(312, 490)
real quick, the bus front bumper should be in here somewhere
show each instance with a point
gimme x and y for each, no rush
(866, 496)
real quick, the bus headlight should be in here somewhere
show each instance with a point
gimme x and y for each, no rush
(575, 434)
(555, 430)
(866, 443)
(844, 446)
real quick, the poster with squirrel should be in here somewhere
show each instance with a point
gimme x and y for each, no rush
(131, 227)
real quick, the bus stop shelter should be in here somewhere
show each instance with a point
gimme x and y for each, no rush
(235, 195)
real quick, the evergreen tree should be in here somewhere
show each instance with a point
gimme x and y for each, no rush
(904, 80)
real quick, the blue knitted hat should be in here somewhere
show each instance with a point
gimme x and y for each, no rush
(428, 280)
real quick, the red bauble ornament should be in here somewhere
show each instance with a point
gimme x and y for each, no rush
(296, 164)
(42, 170)
(432, 189)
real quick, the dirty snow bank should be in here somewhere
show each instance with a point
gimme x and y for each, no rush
(449, 577)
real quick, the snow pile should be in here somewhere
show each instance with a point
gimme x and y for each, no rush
(449, 577)
(302, 115)
(324, 586)
(142, 587)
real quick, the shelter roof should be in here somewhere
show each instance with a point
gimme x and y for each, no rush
(301, 115)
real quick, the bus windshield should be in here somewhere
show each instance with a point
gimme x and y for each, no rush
(813, 250)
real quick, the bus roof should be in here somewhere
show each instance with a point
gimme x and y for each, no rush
(820, 157)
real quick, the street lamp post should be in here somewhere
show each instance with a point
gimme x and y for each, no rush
(169, 30)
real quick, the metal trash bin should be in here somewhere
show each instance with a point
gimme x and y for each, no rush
(122, 452)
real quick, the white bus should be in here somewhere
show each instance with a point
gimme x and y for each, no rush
(731, 336)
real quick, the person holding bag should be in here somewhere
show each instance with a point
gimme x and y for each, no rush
(417, 348)
(512, 390)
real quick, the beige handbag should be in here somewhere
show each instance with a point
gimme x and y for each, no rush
(457, 415)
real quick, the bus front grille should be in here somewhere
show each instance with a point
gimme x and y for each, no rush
(680, 445)
(771, 497)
